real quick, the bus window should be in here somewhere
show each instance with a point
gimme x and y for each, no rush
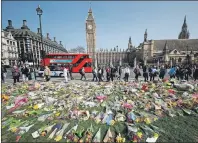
(52, 68)
(59, 57)
(85, 65)
(89, 64)
(65, 57)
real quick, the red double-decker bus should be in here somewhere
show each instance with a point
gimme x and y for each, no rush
(77, 60)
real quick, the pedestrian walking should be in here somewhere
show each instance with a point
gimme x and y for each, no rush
(94, 72)
(119, 72)
(47, 73)
(112, 73)
(189, 72)
(137, 72)
(126, 74)
(65, 71)
(162, 72)
(3, 73)
(145, 73)
(15, 74)
(172, 72)
(177, 72)
(108, 72)
(196, 73)
(100, 74)
(83, 73)
(31, 73)
(150, 73)
(182, 72)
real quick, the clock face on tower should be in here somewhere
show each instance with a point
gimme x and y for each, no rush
(90, 27)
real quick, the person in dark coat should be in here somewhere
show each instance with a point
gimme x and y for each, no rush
(150, 72)
(112, 73)
(162, 72)
(94, 72)
(182, 72)
(196, 73)
(3, 72)
(108, 72)
(99, 74)
(119, 72)
(145, 73)
(15, 74)
(102, 74)
(70, 72)
(25, 73)
(177, 73)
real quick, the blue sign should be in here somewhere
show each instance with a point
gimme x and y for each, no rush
(60, 61)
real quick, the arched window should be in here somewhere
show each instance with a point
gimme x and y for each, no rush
(175, 52)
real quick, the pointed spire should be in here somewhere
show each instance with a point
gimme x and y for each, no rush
(165, 48)
(130, 40)
(184, 34)
(185, 19)
(90, 10)
(145, 36)
(184, 24)
(90, 15)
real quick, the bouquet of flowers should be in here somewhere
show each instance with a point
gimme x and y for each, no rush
(97, 137)
(59, 134)
(109, 137)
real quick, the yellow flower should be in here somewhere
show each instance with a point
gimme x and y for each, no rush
(57, 114)
(155, 119)
(156, 135)
(139, 134)
(13, 129)
(58, 138)
(112, 122)
(137, 120)
(147, 120)
(97, 121)
(35, 107)
(168, 84)
(119, 139)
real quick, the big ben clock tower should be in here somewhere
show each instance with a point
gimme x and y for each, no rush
(91, 35)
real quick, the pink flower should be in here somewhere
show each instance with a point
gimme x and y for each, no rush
(195, 96)
(127, 105)
(101, 98)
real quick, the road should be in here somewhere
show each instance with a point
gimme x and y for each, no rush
(76, 76)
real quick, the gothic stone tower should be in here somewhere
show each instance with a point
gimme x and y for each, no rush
(184, 34)
(91, 35)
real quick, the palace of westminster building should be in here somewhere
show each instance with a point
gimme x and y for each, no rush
(150, 51)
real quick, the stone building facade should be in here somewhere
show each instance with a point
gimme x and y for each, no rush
(171, 51)
(29, 43)
(114, 56)
(9, 50)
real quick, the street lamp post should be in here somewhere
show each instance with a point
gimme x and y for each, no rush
(39, 13)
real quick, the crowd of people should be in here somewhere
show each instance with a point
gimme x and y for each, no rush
(112, 73)
(179, 72)
(150, 73)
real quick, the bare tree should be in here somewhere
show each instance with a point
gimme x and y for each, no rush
(78, 49)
